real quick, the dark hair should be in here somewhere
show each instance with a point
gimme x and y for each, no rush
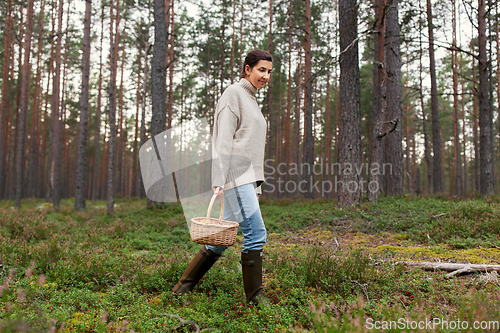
(253, 57)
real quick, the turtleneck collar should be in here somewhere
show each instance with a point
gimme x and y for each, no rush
(252, 90)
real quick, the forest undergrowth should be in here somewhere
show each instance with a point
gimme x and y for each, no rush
(326, 269)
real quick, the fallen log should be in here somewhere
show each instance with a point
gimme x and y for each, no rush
(455, 269)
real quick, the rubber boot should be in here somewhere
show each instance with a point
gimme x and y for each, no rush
(199, 265)
(251, 267)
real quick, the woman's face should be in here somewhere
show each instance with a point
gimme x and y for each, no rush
(259, 74)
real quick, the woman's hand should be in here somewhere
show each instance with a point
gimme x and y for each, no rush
(217, 190)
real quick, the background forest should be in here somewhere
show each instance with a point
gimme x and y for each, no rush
(408, 84)
(84, 86)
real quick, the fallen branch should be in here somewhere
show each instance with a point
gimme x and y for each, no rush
(455, 269)
(188, 322)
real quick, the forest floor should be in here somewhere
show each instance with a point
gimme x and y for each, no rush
(326, 269)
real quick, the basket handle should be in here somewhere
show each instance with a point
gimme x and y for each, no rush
(210, 207)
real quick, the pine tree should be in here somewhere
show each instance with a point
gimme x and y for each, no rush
(350, 109)
(81, 160)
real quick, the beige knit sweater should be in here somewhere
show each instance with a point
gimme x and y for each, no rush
(239, 138)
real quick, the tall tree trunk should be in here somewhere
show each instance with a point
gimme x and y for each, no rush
(393, 143)
(158, 71)
(296, 131)
(97, 135)
(68, 175)
(140, 186)
(407, 133)
(81, 159)
(464, 137)
(17, 111)
(288, 123)
(337, 126)
(308, 148)
(240, 62)
(104, 163)
(56, 123)
(25, 96)
(427, 151)
(456, 121)
(136, 134)
(279, 127)
(232, 43)
(490, 100)
(171, 66)
(436, 134)
(350, 109)
(271, 132)
(485, 121)
(490, 72)
(47, 158)
(112, 109)
(475, 128)
(33, 158)
(120, 138)
(328, 136)
(379, 104)
(5, 97)
(498, 68)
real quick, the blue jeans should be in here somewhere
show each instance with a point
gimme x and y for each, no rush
(241, 205)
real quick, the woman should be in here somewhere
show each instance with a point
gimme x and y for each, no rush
(239, 137)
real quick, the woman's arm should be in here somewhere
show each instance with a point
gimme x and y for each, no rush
(225, 125)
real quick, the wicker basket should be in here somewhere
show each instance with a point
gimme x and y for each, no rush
(215, 232)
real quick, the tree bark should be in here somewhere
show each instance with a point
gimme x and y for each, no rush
(270, 112)
(464, 137)
(55, 171)
(45, 170)
(11, 175)
(427, 151)
(240, 62)
(308, 147)
(498, 68)
(485, 121)
(97, 136)
(296, 131)
(456, 121)
(158, 83)
(143, 107)
(350, 109)
(232, 43)
(5, 96)
(33, 158)
(475, 128)
(25, 96)
(407, 134)
(288, 123)
(171, 65)
(136, 134)
(436, 134)
(112, 109)
(81, 159)
(490, 99)
(379, 104)
(328, 136)
(393, 143)
(67, 176)
(121, 137)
